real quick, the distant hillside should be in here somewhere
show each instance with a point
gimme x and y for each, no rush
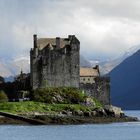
(84, 62)
(13, 67)
(108, 65)
(4, 71)
(125, 83)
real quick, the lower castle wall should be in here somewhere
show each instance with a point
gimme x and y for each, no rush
(100, 90)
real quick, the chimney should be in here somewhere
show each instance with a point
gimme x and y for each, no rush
(71, 37)
(35, 40)
(57, 42)
(97, 68)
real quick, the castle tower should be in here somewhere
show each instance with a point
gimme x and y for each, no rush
(54, 62)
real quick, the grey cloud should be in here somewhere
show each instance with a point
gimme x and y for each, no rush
(104, 27)
(128, 9)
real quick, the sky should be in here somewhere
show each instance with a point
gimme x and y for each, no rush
(105, 28)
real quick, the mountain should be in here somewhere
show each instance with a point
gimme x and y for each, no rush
(4, 71)
(18, 64)
(125, 83)
(84, 62)
(108, 65)
(10, 68)
(9, 79)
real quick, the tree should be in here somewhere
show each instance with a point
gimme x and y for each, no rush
(3, 96)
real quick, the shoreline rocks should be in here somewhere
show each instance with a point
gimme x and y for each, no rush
(107, 114)
(107, 111)
(114, 111)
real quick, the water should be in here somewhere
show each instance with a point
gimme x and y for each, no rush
(113, 131)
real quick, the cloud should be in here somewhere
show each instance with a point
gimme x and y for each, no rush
(104, 28)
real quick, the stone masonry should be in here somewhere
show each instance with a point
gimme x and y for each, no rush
(54, 62)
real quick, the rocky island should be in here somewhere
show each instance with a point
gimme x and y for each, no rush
(58, 90)
(60, 106)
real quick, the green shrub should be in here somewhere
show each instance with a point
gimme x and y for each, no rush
(58, 95)
(3, 96)
(98, 103)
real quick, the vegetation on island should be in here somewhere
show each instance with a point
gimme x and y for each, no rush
(61, 95)
(61, 106)
(33, 107)
(52, 100)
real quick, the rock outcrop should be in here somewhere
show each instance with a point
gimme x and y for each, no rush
(113, 111)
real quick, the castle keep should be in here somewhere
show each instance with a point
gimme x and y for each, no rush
(55, 62)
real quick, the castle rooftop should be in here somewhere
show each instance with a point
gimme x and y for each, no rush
(89, 72)
(43, 42)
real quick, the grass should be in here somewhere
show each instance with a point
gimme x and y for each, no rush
(31, 106)
(22, 107)
(51, 100)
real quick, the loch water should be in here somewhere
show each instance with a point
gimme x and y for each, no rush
(111, 131)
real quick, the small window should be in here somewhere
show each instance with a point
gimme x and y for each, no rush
(83, 79)
(88, 79)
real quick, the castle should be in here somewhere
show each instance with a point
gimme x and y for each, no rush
(54, 62)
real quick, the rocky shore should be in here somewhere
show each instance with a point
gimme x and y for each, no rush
(108, 114)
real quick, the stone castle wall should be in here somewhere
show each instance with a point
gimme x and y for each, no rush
(100, 89)
(55, 67)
